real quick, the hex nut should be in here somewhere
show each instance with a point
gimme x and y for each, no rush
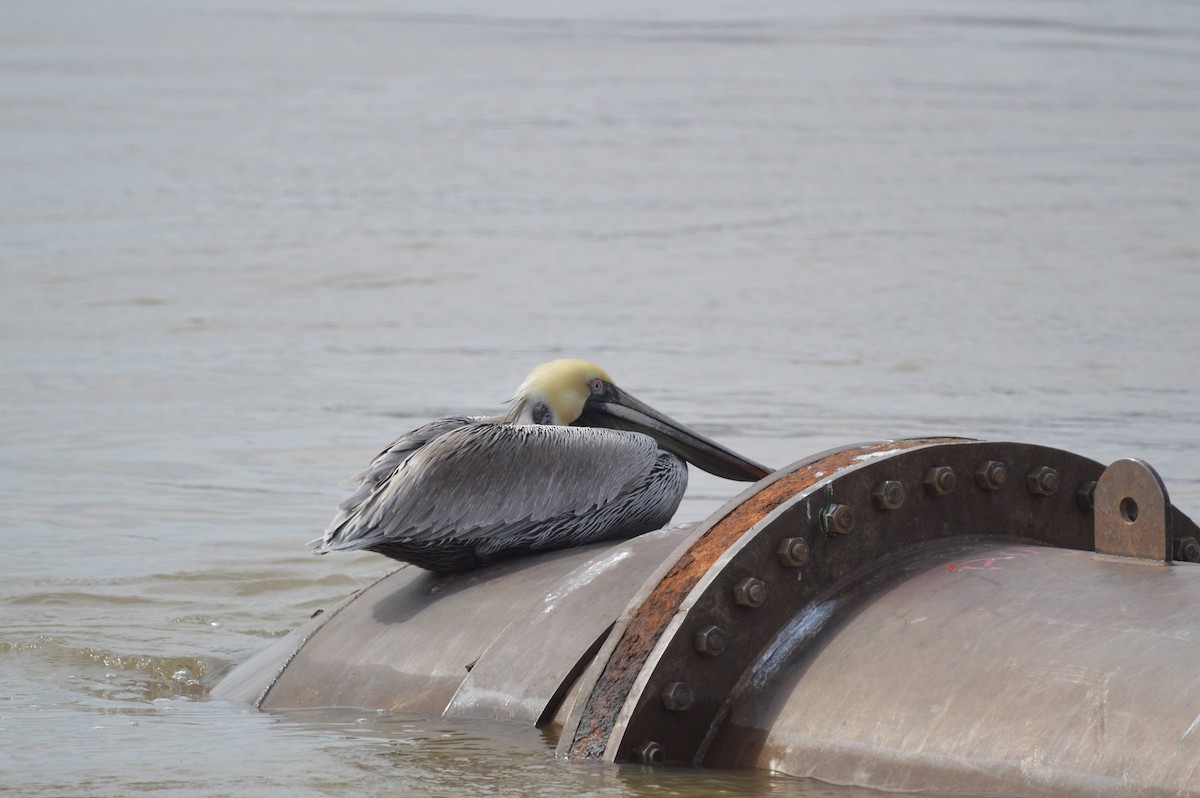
(650, 753)
(838, 518)
(888, 494)
(793, 552)
(1187, 550)
(678, 696)
(750, 592)
(1086, 495)
(1042, 481)
(940, 480)
(710, 641)
(991, 475)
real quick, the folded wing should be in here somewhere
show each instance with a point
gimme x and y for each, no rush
(468, 480)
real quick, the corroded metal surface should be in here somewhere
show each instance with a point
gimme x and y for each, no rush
(997, 669)
(1133, 513)
(419, 642)
(885, 486)
(526, 671)
(406, 642)
(888, 615)
(589, 728)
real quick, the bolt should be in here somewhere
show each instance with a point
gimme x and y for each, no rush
(991, 475)
(750, 592)
(838, 518)
(793, 552)
(651, 753)
(678, 696)
(1042, 481)
(1086, 495)
(1187, 549)
(710, 641)
(940, 480)
(888, 495)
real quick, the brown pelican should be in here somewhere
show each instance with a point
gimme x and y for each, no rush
(575, 460)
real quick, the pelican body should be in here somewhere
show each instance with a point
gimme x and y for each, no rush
(575, 460)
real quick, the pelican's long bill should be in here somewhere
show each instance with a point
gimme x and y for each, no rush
(616, 409)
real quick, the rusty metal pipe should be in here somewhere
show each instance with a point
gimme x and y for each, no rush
(984, 668)
(922, 615)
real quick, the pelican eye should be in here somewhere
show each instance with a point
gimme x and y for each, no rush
(597, 387)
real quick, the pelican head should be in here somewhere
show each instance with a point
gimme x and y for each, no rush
(579, 393)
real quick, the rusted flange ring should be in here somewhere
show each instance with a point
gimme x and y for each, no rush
(729, 575)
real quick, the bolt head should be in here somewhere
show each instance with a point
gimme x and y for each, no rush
(1188, 550)
(678, 696)
(710, 641)
(750, 592)
(838, 518)
(1043, 481)
(650, 753)
(940, 480)
(1086, 495)
(793, 552)
(991, 475)
(888, 494)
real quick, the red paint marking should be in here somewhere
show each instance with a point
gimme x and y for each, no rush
(989, 563)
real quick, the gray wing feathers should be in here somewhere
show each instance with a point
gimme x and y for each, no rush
(476, 479)
(386, 463)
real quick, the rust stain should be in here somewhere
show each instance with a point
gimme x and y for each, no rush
(651, 618)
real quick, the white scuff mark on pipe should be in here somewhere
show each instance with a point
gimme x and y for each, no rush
(1191, 728)
(583, 577)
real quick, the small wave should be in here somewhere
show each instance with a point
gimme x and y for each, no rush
(148, 677)
(121, 676)
(276, 584)
(76, 597)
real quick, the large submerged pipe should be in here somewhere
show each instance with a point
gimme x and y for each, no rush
(943, 615)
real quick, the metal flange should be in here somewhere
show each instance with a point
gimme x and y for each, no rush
(731, 575)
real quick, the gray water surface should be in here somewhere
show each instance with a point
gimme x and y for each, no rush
(244, 245)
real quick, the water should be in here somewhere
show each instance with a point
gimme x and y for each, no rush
(244, 245)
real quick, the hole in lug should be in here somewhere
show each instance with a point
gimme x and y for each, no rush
(1129, 510)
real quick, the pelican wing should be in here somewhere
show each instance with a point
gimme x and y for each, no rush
(383, 466)
(483, 479)
(387, 461)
